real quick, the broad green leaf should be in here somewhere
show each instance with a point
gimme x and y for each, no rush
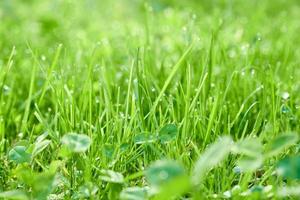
(14, 194)
(111, 176)
(86, 191)
(133, 193)
(289, 167)
(41, 183)
(289, 191)
(174, 188)
(109, 150)
(19, 155)
(40, 146)
(163, 171)
(143, 138)
(257, 188)
(64, 152)
(248, 147)
(124, 147)
(212, 156)
(168, 133)
(24, 143)
(250, 163)
(280, 143)
(76, 142)
(114, 191)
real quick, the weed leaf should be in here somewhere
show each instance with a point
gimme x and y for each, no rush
(76, 142)
(289, 167)
(163, 171)
(111, 176)
(133, 193)
(143, 138)
(249, 146)
(250, 163)
(212, 156)
(280, 143)
(168, 133)
(19, 155)
(14, 194)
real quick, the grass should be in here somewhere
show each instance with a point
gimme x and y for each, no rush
(168, 99)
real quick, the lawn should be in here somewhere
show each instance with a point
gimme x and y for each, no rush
(149, 99)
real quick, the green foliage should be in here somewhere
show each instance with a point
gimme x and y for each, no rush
(133, 193)
(176, 99)
(168, 133)
(88, 190)
(250, 163)
(251, 151)
(162, 172)
(281, 143)
(14, 194)
(212, 156)
(111, 176)
(249, 146)
(19, 155)
(289, 167)
(40, 183)
(76, 142)
(143, 138)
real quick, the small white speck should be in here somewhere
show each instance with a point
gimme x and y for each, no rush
(285, 95)
(43, 58)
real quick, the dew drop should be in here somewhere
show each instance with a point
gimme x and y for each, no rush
(285, 95)
(43, 58)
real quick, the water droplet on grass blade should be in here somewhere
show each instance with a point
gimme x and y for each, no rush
(285, 95)
(237, 170)
(285, 109)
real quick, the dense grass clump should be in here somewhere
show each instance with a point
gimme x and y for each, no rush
(154, 99)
